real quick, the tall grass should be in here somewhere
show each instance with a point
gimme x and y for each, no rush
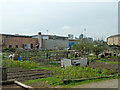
(22, 64)
(71, 73)
(26, 65)
(78, 72)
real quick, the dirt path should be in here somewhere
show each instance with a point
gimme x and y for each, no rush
(11, 86)
(101, 84)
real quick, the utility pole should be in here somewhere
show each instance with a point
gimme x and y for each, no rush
(85, 32)
(47, 32)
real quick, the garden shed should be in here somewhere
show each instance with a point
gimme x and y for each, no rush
(74, 62)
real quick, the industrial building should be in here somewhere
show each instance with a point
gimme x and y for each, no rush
(72, 42)
(40, 41)
(81, 36)
(114, 40)
(51, 41)
(70, 36)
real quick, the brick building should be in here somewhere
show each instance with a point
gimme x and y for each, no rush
(114, 40)
(18, 41)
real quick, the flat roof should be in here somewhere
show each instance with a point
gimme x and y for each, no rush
(118, 35)
(51, 35)
(30, 36)
(16, 35)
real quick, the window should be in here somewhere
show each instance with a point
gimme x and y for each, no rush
(31, 45)
(7, 37)
(16, 46)
(10, 46)
(25, 46)
(2, 41)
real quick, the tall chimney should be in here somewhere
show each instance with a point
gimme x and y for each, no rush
(40, 39)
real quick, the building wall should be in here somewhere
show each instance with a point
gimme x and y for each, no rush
(55, 44)
(70, 36)
(72, 42)
(113, 41)
(20, 41)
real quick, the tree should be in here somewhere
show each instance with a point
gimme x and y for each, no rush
(83, 47)
(99, 48)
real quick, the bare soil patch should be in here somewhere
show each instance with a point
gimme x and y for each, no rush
(104, 65)
(22, 75)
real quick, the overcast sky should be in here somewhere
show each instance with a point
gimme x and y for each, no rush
(60, 18)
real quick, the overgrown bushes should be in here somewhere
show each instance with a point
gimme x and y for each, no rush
(8, 50)
(22, 64)
(72, 73)
(78, 72)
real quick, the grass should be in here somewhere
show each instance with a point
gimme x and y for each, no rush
(46, 68)
(88, 81)
(53, 64)
(103, 60)
(22, 64)
(108, 62)
(25, 64)
(51, 80)
(54, 81)
(71, 73)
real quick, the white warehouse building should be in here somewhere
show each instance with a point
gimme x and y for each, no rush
(52, 41)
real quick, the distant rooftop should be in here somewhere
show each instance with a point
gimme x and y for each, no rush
(16, 35)
(50, 35)
(118, 35)
(30, 36)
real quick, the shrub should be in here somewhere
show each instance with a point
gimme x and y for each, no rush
(8, 50)
(111, 71)
(22, 64)
(104, 71)
(91, 60)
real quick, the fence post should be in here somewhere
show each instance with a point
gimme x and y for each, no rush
(4, 73)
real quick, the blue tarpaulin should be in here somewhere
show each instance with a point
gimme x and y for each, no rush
(20, 59)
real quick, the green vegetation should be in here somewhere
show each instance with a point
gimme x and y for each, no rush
(71, 73)
(78, 72)
(108, 62)
(103, 60)
(53, 64)
(86, 81)
(53, 80)
(47, 68)
(24, 64)
(86, 47)
(8, 50)
(91, 60)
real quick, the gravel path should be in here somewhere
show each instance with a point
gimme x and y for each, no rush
(101, 84)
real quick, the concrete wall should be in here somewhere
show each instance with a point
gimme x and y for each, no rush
(55, 44)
